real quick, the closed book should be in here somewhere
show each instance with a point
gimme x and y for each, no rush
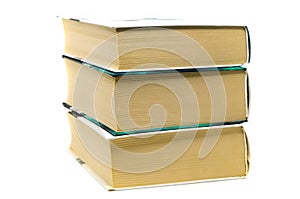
(144, 45)
(159, 158)
(149, 101)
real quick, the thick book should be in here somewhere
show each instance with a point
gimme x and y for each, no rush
(138, 45)
(133, 102)
(159, 158)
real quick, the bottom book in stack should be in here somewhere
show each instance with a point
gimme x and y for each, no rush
(159, 158)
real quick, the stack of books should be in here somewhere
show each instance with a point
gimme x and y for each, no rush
(153, 102)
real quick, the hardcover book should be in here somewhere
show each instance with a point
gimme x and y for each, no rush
(138, 102)
(138, 45)
(158, 158)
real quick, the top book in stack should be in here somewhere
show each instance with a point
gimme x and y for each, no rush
(147, 45)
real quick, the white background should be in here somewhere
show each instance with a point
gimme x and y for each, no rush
(34, 132)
